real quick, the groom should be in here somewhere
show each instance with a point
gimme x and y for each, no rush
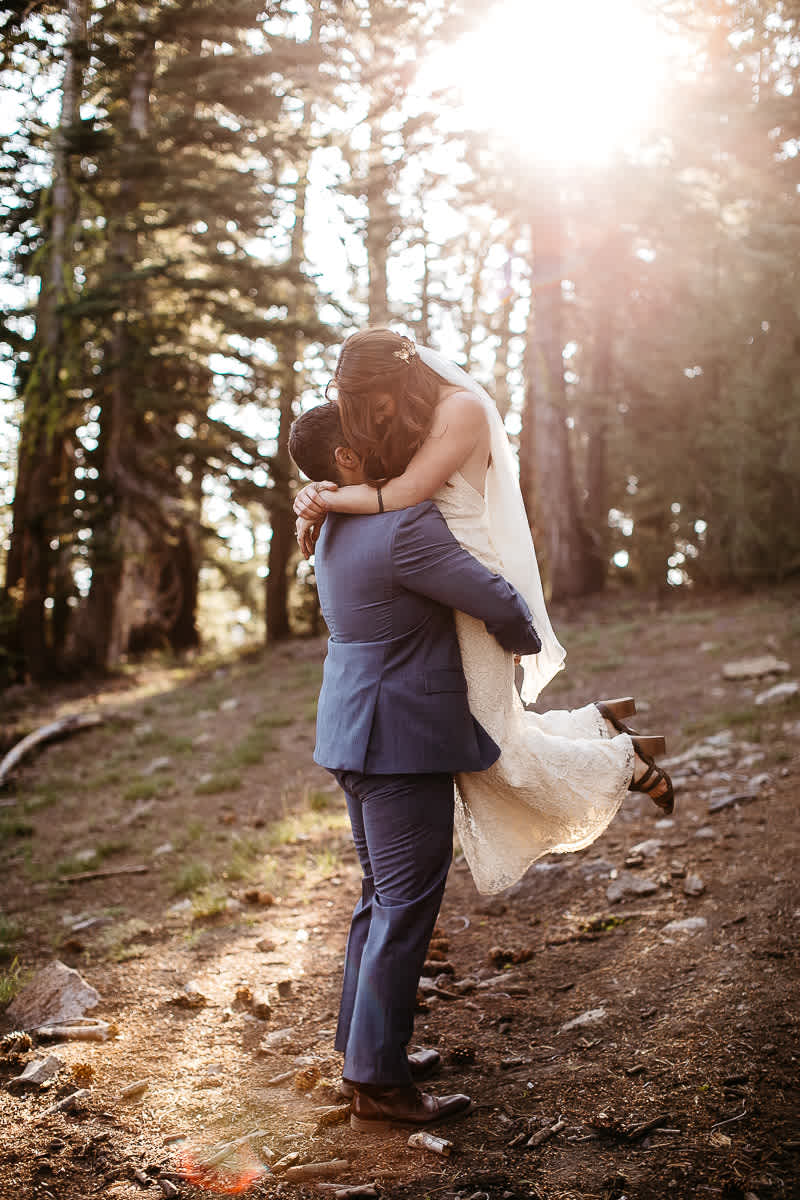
(393, 726)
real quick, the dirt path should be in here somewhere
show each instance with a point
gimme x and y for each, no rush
(555, 1002)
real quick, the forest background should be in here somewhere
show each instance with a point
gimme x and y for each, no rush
(199, 201)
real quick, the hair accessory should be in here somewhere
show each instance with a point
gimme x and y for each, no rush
(406, 351)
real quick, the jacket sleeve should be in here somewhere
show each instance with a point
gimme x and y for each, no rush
(428, 559)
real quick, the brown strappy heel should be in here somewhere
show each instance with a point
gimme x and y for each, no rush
(645, 748)
(615, 710)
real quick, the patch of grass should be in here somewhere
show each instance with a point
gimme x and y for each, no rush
(148, 789)
(12, 980)
(15, 827)
(724, 718)
(10, 932)
(119, 943)
(250, 751)
(105, 779)
(191, 878)
(209, 902)
(318, 801)
(43, 797)
(178, 744)
(246, 850)
(607, 664)
(308, 674)
(327, 862)
(276, 719)
(218, 782)
(310, 710)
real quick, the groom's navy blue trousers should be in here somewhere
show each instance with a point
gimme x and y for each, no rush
(403, 832)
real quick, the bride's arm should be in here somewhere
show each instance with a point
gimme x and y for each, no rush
(458, 424)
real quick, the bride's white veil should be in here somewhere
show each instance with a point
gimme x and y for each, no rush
(509, 528)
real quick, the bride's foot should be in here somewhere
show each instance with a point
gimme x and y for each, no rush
(650, 778)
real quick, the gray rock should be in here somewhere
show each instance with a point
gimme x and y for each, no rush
(279, 1039)
(693, 885)
(592, 1016)
(157, 764)
(756, 782)
(723, 738)
(231, 703)
(706, 833)
(56, 995)
(36, 1072)
(627, 885)
(755, 668)
(717, 805)
(647, 848)
(778, 693)
(595, 866)
(686, 925)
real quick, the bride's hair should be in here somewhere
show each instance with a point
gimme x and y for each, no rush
(373, 363)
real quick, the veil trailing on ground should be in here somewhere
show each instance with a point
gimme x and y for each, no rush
(509, 529)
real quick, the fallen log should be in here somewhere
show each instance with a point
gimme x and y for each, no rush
(46, 733)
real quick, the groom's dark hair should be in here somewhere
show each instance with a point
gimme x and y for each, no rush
(313, 439)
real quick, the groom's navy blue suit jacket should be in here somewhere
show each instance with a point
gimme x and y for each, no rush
(394, 695)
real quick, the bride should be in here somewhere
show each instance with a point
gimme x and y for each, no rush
(424, 429)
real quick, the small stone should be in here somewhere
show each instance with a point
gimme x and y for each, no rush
(686, 925)
(229, 704)
(266, 945)
(191, 996)
(164, 848)
(157, 764)
(646, 849)
(755, 668)
(279, 1039)
(201, 739)
(693, 885)
(284, 988)
(68, 1104)
(56, 994)
(705, 833)
(778, 693)
(36, 1072)
(628, 885)
(213, 1076)
(133, 1090)
(592, 1016)
(757, 782)
(288, 1160)
(717, 805)
(260, 896)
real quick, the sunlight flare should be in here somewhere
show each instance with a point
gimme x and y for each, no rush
(563, 83)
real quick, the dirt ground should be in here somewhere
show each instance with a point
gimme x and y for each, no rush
(680, 1078)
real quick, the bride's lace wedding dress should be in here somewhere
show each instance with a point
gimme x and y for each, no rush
(560, 778)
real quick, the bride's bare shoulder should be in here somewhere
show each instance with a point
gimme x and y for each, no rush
(457, 403)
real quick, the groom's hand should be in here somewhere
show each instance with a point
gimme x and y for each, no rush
(309, 504)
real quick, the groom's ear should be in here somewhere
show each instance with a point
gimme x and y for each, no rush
(347, 458)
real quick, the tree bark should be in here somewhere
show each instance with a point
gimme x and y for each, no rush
(106, 628)
(43, 485)
(568, 546)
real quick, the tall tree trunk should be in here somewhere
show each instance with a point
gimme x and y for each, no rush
(380, 219)
(568, 546)
(596, 420)
(105, 631)
(42, 493)
(281, 516)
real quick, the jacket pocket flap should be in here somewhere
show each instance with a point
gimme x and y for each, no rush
(445, 679)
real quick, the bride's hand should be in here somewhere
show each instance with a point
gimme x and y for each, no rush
(307, 533)
(310, 504)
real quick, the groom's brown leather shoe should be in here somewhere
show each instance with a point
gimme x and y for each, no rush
(422, 1064)
(381, 1109)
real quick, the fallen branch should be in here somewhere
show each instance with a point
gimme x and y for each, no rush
(544, 1134)
(105, 874)
(46, 733)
